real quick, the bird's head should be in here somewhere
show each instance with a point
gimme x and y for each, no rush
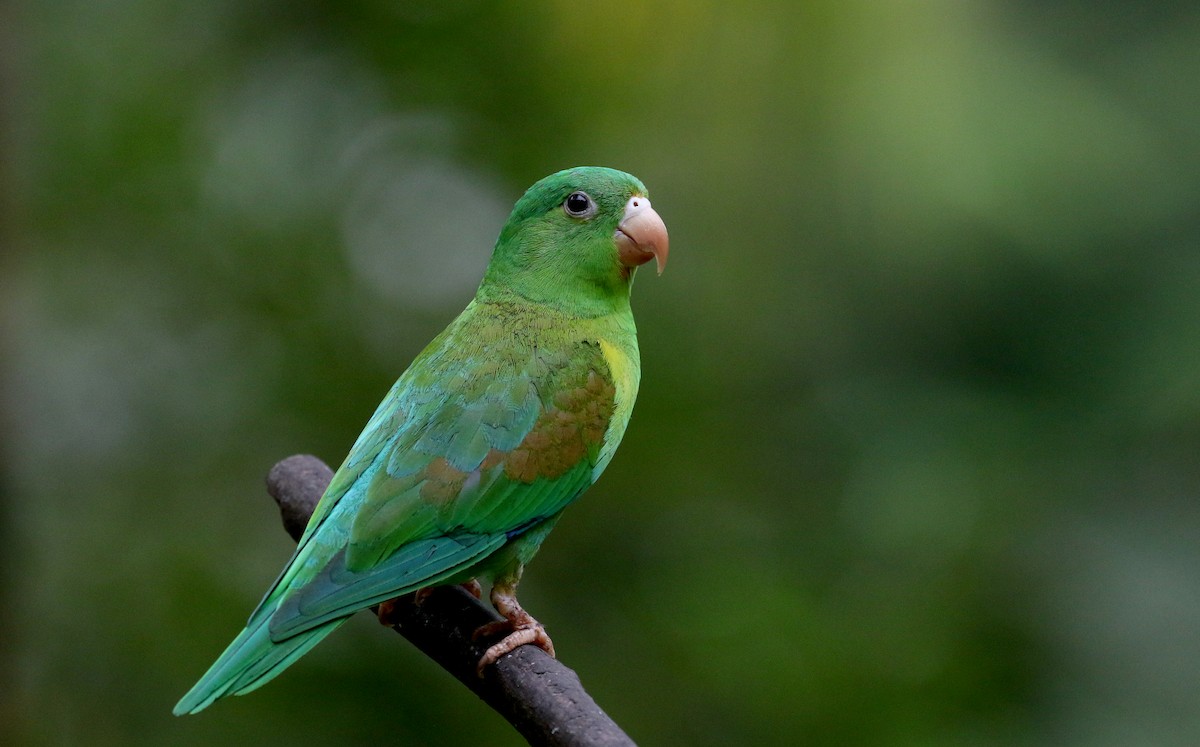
(575, 239)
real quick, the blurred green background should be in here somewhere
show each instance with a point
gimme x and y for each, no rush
(915, 460)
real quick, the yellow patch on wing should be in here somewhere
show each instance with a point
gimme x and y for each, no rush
(621, 368)
(626, 372)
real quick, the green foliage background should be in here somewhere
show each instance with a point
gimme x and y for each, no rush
(915, 457)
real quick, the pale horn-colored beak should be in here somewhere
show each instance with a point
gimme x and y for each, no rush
(641, 235)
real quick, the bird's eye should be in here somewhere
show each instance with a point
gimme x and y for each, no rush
(579, 205)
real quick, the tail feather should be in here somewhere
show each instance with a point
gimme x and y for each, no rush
(251, 661)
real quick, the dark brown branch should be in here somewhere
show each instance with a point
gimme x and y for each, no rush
(538, 695)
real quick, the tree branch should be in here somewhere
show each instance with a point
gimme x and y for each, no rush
(538, 695)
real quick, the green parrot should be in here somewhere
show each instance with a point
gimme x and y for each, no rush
(498, 425)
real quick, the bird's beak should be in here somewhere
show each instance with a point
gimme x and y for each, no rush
(641, 235)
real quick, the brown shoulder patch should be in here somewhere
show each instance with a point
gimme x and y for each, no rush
(442, 482)
(573, 421)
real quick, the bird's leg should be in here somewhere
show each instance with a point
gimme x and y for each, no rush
(524, 629)
(387, 611)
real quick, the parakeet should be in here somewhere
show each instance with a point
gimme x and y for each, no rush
(505, 418)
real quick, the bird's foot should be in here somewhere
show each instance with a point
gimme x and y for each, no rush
(522, 629)
(473, 588)
(389, 613)
(422, 595)
(536, 634)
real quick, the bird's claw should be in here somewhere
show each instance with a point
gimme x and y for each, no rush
(422, 594)
(389, 613)
(525, 632)
(523, 629)
(473, 588)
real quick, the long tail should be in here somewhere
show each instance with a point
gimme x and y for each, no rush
(251, 661)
